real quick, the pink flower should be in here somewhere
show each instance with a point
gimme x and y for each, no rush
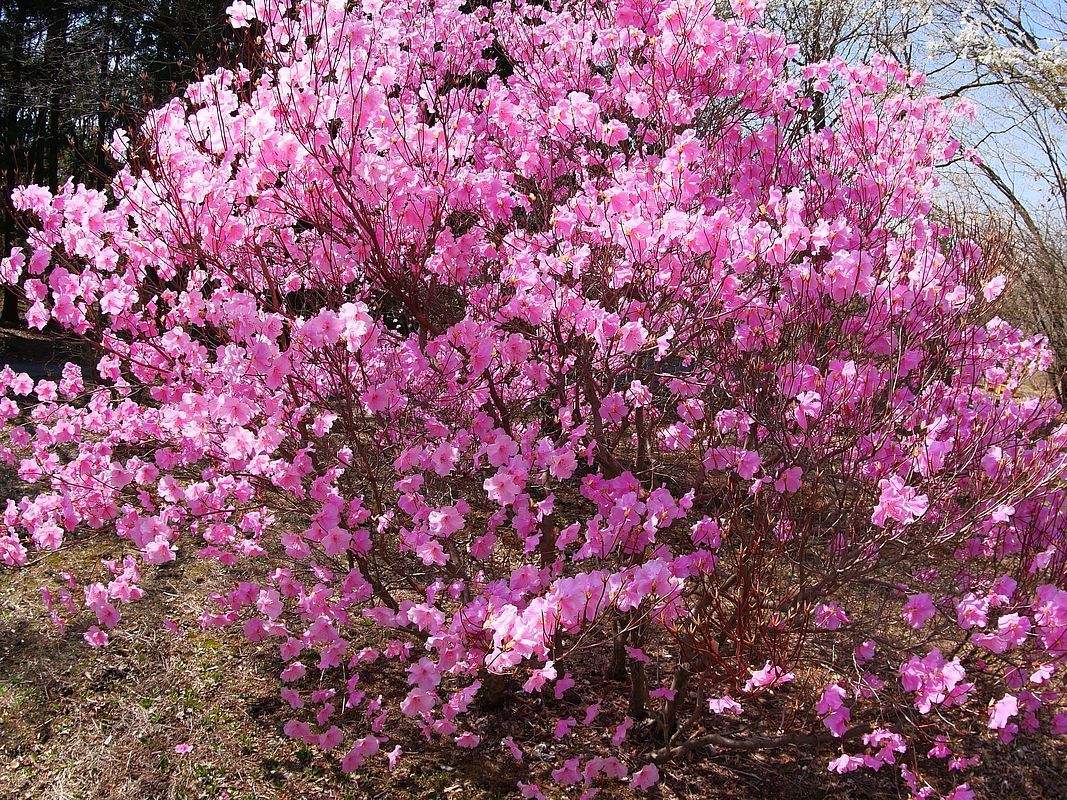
(1004, 709)
(562, 463)
(919, 609)
(502, 488)
(513, 748)
(158, 551)
(360, 752)
(424, 674)
(613, 408)
(564, 727)
(182, 749)
(899, 502)
(789, 481)
(940, 748)
(724, 705)
(934, 681)
(845, 763)
(240, 14)
(748, 464)
(468, 740)
(96, 637)
(1059, 724)
(293, 672)
(539, 677)
(637, 654)
(885, 746)
(768, 676)
(706, 533)
(621, 731)
(830, 616)
(569, 773)
(379, 398)
(808, 406)
(331, 738)
(864, 652)
(645, 778)
(831, 708)
(632, 337)
(269, 602)
(418, 702)
(563, 685)
(994, 288)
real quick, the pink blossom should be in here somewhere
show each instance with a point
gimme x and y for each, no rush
(768, 676)
(632, 337)
(564, 727)
(424, 674)
(569, 773)
(845, 763)
(645, 778)
(789, 481)
(513, 748)
(1059, 724)
(919, 609)
(899, 502)
(1003, 709)
(360, 752)
(468, 740)
(418, 702)
(240, 14)
(934, 680)
(724, 705)
(830, 616)
(994, 288)
(831, 709)
(96, 637)
(502, 488)
(864, 652)
(393, 756)
(539, 677)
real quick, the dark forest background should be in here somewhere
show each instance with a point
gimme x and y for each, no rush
(72, 71)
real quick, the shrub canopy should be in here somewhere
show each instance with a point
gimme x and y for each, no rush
(536, 341)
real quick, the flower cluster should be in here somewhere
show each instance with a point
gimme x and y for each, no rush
(516, 341)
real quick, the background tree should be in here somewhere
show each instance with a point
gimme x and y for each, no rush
(1017, 59)
(1010, 60)
(73, 71)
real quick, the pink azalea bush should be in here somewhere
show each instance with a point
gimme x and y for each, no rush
(516, 345)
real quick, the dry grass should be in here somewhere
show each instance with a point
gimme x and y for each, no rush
(93, 725)
(77, 723)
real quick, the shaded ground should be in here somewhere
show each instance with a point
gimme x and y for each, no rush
(79, 723)
(42, 354)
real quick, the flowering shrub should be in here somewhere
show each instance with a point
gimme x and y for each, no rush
(517, 344)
